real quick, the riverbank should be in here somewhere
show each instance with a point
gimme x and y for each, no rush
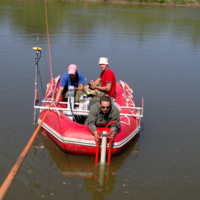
(163, 2)
(186, 3)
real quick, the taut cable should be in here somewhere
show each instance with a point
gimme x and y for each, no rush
(48, 39)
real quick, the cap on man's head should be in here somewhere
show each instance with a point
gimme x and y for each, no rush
(103, 61)
(72, 69)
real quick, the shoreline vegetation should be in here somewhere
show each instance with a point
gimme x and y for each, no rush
(187, 3)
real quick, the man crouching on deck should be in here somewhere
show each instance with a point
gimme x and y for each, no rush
(101, 114)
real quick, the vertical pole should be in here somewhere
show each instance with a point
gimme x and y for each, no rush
(141, 111)
(36, 75)
(103, 147)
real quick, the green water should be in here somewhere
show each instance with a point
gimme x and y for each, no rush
(153, 48)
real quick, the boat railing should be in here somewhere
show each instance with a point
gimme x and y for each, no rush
(77, 111)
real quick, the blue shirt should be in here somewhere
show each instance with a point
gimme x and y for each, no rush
(67, 81)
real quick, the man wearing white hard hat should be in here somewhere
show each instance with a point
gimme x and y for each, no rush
(72, 77)
(106, 79)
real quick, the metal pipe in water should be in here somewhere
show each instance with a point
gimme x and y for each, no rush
(103, 147)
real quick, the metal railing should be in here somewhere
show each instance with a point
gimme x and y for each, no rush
(77, 111)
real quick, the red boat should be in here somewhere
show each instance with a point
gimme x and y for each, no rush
(75, 137)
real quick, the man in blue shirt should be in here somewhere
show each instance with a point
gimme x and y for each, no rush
(71, 78)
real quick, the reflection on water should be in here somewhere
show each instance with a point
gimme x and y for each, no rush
(99, 179)
(82, 21)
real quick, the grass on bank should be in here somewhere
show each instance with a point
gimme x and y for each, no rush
(165, 1)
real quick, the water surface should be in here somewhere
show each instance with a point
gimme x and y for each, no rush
(155, 49)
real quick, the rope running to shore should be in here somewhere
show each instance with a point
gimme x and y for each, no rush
(48, 39)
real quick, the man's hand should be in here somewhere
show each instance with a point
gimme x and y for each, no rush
(92, 85)
(96, 136)
(112, 136)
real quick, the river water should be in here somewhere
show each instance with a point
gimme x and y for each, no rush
(154, 48)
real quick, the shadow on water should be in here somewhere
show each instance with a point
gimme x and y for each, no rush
(98, 179)
(81, 19)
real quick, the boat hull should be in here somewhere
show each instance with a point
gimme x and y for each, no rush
(77, 138)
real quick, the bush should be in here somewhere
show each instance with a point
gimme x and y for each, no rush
(164, 1)
(150, 1)
(179, 1)
(184, 1)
